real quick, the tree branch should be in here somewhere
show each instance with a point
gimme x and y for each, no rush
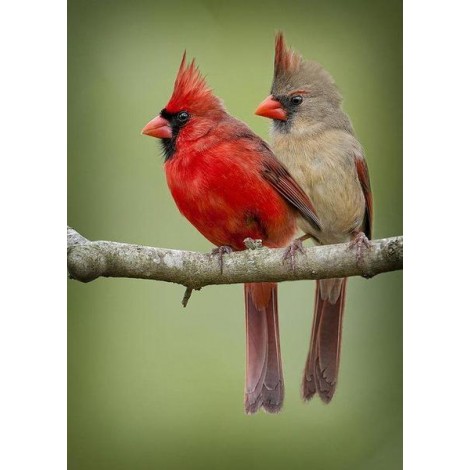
(88, 260)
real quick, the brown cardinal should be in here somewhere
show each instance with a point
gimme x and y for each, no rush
(226, 181)
(314, 138)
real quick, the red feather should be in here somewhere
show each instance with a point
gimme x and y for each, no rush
(191, 92)
(223, 193)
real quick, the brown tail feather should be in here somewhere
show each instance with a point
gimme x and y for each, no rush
(264, 384)
(321, 369)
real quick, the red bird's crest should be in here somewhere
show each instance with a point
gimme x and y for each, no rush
(286, 60)
(191, 91)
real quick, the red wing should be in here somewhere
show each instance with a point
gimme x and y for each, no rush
(276, 174)
(363, 175)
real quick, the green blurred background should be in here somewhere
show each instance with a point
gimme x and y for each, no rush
(152, 385)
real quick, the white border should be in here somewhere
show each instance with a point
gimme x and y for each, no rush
(33, 192)
(32, 235)
(437, 176)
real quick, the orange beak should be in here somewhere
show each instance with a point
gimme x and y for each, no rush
(158, 127)
(272, 109)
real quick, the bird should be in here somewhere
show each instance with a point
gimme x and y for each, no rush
(315, 140)
(229, 185)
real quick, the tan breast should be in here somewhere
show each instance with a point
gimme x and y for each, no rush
(325, 168)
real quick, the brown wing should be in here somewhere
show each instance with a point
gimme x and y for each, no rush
(276, 174)
(363, 175)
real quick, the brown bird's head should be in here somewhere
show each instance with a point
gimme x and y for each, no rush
(303, 94)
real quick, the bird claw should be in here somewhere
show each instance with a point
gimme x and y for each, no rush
(220, 252)
(291, 250)
(360, 243)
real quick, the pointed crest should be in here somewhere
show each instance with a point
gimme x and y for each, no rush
(286, 60)
(191, 90)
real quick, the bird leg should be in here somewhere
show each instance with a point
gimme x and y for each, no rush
(220, 251)
(291, 250)
(359, 243)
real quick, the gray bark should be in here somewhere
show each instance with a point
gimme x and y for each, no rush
(88, 260)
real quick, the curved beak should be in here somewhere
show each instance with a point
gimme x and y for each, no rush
(272, 109)
(158, 127)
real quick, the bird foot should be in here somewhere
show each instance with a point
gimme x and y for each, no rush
(360, 243)
(291, 250)
(220, 252)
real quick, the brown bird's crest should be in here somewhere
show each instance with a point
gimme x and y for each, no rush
(286, 60)
(294, 74)
(191, 91)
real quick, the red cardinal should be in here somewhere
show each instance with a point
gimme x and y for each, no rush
(226, 181)
(314, 138)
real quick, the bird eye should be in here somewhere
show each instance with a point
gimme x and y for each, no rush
(182, 117)
(296, 100)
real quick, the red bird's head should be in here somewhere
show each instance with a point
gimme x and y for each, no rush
(303, 92)
(189, 114)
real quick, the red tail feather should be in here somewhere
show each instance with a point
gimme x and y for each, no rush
(264, 384)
